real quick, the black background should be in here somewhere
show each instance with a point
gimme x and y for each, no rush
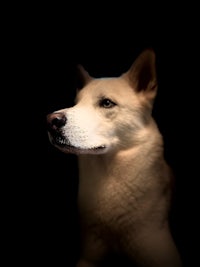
(42, 49)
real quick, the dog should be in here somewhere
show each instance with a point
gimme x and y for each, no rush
(125, 183)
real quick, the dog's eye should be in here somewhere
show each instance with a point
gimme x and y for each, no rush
(107, 103)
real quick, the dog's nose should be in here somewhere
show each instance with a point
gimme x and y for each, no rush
(55, 121)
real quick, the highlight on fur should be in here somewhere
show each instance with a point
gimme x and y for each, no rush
(124, 180)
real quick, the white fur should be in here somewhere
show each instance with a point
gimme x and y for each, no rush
(124, 180)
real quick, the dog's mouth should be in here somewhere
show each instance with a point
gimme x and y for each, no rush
(63, 144)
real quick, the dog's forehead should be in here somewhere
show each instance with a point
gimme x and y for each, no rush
(104, 87)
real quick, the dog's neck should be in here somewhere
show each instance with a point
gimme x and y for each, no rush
(114, 164)
(133, 171)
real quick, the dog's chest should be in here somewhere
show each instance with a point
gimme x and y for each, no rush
(109, 198)
(120, 196)
(107, 204)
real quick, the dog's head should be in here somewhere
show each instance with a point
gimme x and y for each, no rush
(110, 113)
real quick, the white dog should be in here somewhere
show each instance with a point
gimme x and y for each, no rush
(125, 182)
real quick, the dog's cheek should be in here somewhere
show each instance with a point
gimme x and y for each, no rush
(109, 114)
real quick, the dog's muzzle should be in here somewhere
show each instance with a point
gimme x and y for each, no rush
(55, 124)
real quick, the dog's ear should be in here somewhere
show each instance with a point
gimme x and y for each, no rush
(82, 77)
(142, 73)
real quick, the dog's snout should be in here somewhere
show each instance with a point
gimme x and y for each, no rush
(56, 120)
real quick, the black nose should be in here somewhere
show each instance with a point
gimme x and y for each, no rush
(55, 121)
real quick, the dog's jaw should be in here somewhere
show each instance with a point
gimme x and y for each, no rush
(78, 150)
(65, 146)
